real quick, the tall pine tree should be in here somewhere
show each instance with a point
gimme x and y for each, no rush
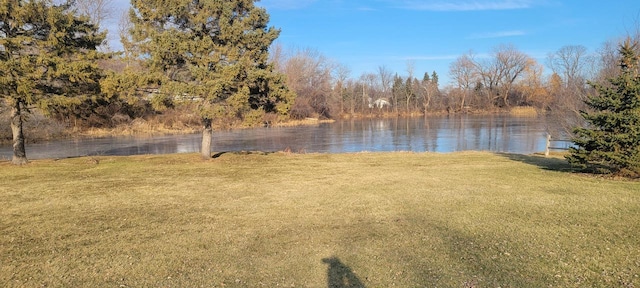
(610, 143)
(215, 52)
(47, 58)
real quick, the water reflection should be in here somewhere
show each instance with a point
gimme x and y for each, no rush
(436, 134)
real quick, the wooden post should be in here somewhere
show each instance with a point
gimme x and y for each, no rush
(546, 151)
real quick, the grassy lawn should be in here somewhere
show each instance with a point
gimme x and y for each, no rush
(470, 219)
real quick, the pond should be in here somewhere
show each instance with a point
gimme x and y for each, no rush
(523, 135)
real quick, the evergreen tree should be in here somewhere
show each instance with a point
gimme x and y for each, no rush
(397, 91)
(215, 52)
(611, 141)
(47, 58)
(435, 78)
(426, 78)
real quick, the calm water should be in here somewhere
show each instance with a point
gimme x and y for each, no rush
(435, 134)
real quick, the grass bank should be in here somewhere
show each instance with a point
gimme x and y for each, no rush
(367, 220)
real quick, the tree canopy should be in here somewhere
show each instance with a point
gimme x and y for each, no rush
(47, 56)
(212, 52)
(610, 143)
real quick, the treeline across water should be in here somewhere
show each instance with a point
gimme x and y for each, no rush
(506, 79)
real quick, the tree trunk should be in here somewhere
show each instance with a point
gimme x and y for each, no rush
(464, 98)
(19, 153)
(207, 133)
(505, 97)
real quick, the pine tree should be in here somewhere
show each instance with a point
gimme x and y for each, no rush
(215, 52)
(397, 91)
(434, 78)
(47, 58)
(426, 78)
(611, 141)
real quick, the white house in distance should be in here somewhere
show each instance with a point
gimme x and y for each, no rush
(379, 103)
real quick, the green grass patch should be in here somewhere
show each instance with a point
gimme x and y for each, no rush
(316, 220)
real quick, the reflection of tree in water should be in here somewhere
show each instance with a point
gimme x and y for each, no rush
(340, 275)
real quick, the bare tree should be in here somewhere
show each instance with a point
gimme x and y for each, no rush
(486, 81)
(464, 74)
(341, 73)
(428, 89)
(309, 74)
(277, 56)
(124, 26)
(570, 62)
(386, 81)
(97, 10)
(411, 67)
(368, 89)
(510, 64)
(409, 91)
(607, 61)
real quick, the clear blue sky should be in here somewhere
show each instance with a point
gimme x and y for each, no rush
(364, 35)
(431, 33)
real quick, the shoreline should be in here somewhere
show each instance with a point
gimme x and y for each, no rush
(140, 127)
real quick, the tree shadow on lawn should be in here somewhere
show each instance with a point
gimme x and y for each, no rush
(219, 154)
(546, 163)
(340, 275)
(491, 260)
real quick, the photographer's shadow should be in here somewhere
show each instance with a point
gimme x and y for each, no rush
(340, 275)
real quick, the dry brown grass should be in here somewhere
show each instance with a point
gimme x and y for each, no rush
(303, 122)
(316, 220)
(138, 127)
(521, 111)
(163, 126)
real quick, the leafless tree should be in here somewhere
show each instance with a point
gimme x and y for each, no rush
(607, 61)
(277, 56)
(369, 81)
(341, 74)
(428, 89)
(97, 10)
(411, 67)
(464, 74)
(510, 64)
(409, 87)
(124, 26)
(386, 79)
(570, 62)
(309, 74)
(486, 81)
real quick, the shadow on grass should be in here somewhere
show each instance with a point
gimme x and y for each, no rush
(486, 261)
(217, 155)
(546, 163)
(340, 275)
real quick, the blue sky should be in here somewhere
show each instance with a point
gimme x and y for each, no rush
(364, 35)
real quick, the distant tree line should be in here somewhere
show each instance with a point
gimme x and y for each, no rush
(505, 78)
